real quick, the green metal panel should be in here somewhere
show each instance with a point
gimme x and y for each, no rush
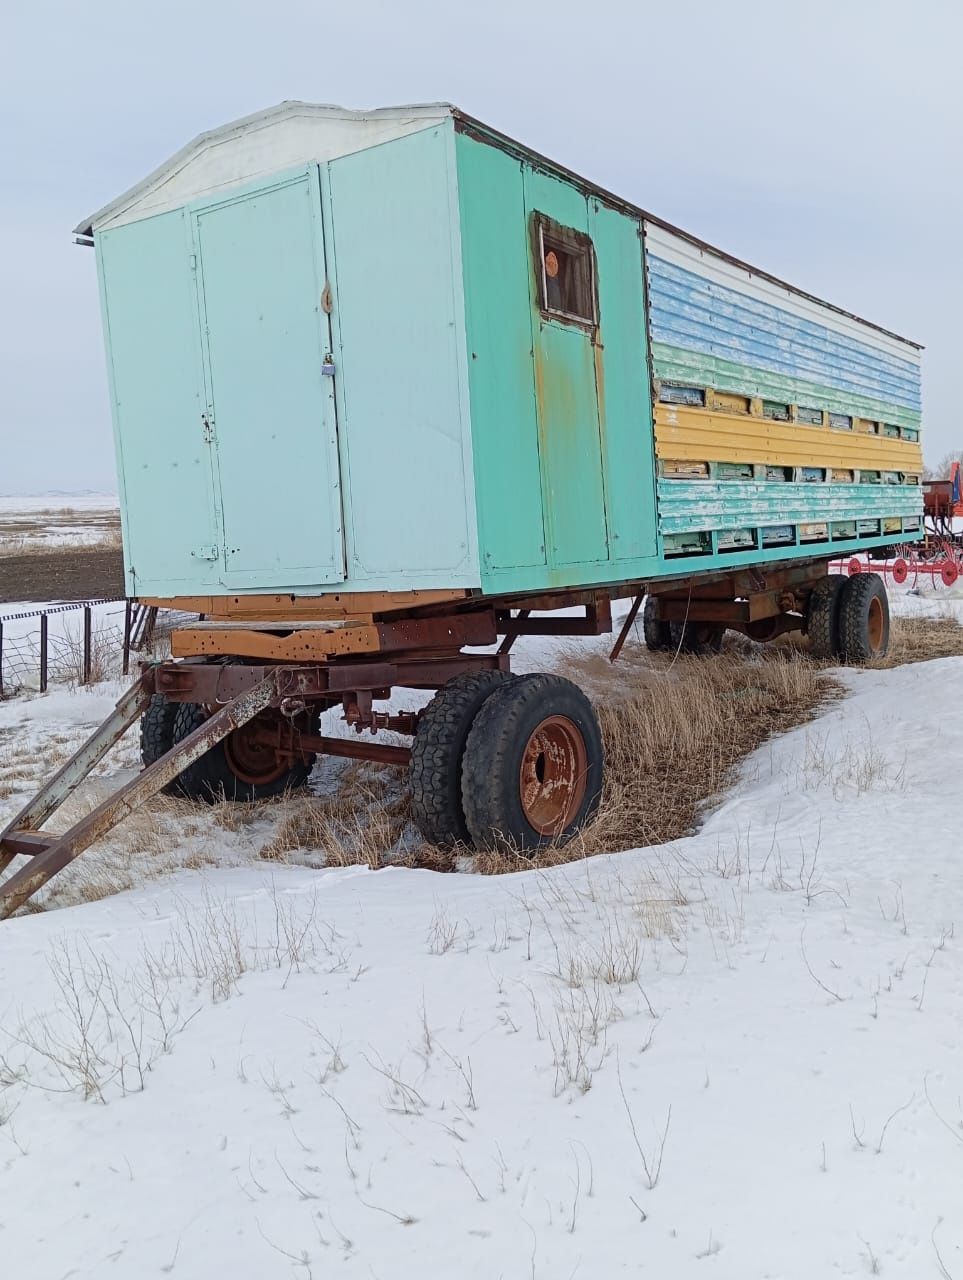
(686, 505)
(153, 356)
(624, 388)
(261, 274)
(566, 398)
(398, 324)
(496, 257)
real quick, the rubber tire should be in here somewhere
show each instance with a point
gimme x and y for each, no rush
(493, 754)
(434, 774)
(656, 633)
(822, 615)
(157, 735)
(210, 778)
(854, 613)
(157, 729)
(700, 639)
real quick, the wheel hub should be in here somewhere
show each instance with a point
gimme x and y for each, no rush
(874, 625)
(251, 760)
(552, 776)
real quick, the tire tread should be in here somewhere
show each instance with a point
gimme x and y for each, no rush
(489, 781)
(434, 774)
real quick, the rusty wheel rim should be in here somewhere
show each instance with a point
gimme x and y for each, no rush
(552, 775)
(874, 624)
(250, 760)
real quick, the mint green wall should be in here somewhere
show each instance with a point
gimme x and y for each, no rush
(562, 426)
(164, 465)
(243, 465)
(496, 261)
(391, 222)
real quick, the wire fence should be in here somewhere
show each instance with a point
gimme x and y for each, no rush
(71, 643)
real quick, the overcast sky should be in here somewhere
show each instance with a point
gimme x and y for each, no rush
(819, 139)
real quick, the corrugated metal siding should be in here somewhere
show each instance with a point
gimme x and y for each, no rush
(695, 368)
(701, 435)
(710, 505)
(718, 327)
(694, 313)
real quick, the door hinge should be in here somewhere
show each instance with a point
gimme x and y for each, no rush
(327, 365)
(207, 426)
(206, 553)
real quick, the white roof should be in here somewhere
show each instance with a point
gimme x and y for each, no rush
(256, 146)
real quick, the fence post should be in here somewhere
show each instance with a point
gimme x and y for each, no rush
(43, 653)
(87, 645)
(128, 615)
(1, 659)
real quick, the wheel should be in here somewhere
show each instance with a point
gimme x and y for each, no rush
(157, 734)
(434, 773)
(949, 572)
(864, 619)
(701, 639)
(822, 615)
(655, 632)
(157, 728)
(900, 571)
(236, 768)
(532, 770)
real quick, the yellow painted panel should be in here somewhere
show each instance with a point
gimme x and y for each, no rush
(686, 434)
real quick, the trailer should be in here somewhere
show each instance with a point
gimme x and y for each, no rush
(391, 390)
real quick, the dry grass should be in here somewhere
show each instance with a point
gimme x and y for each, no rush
(921, 639)
(674, 734)
(361, 823)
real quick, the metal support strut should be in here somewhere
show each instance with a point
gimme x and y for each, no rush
(51, 853)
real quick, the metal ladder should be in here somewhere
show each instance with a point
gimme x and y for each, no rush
(50, 853)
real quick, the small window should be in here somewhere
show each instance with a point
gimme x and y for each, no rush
(812, 417)
(566, 272)
(775, 409)
(672, 394)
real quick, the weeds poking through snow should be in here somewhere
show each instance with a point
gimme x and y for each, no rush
(105, 1033)
(442, 933)
(944, 1270)
(809, 969)
(889, 1121)
(872, 1261)
(651, 1161)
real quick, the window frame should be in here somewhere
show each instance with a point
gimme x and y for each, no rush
(547, 234)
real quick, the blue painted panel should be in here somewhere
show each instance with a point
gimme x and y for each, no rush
(153, 349)
(261, 274)
(398, 320)
(690, 311)
(690, 505)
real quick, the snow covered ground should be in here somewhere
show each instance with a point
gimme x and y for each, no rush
(48, 520)
(736, 1056)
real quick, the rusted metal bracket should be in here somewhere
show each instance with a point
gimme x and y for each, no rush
(51, 853)
(596, 621)
(627, 626)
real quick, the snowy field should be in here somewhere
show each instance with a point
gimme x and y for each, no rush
(57, 520)
(735, 1056)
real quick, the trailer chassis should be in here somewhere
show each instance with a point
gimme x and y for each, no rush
(263, 680)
